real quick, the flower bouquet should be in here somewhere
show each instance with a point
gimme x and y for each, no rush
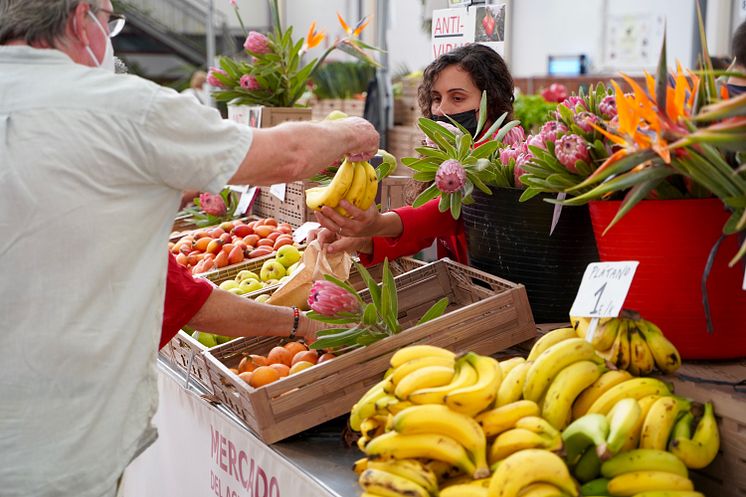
(275, 75)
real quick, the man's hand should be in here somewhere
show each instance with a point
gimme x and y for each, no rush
(364, 141)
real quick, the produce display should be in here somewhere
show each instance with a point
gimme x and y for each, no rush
(229, 243)
(273, 271)
(564, 421)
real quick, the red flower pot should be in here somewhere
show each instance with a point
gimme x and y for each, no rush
(672, 240)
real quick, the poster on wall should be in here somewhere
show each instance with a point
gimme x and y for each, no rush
(456, 27)
(633, 41)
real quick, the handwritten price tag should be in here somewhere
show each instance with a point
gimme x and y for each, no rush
(603, 289)
(278, 191)
(247, 197)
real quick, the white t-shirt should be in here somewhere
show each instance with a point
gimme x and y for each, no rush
(92, 166)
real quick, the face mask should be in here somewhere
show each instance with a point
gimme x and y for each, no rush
(108, 60)
(467, 119)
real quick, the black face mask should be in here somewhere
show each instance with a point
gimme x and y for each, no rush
(467, 119)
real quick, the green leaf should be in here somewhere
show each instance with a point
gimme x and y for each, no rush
(373, 288)
(425, 177)
(435, 311)
(495, 126)
(430, 193)
(341, 339)
(421, 165)
(528, 193)
(330, 331)
(463, 143)
(445, 202)
(455, 204)
(634, 195)
(482, 113)
(622, 182)
(504, 130)
(389, 304)
(480, 184)
(370, 314)
(431, 152)
(485, 150)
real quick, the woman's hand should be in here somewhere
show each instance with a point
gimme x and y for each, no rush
(360, 223)
(335, 243)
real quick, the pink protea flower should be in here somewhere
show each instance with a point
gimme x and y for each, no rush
(249, 82)
(569, 149)
(234, 3)
(585, 119)
(518, 171)
(212, 204)
(607, 107)
(450, 177)
(212, 80)
(535, 141)
(450, 127)
(507, 154)
(573, 102)
(551, 130)
(257, 43)
(515, 135)
(328, 299)
(555, 93)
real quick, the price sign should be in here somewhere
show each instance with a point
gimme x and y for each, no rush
(301, 233)
(278, 191)
(247, 197)
(603, 289)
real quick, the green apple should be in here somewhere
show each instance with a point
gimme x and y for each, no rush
(335, 114)
(245, 274)
(228, 285)
(206, 339)
(250, 285)
(287, 255)
(223, 339)
(293, 267)
(236, 291)
(262, 298)
(272, 270)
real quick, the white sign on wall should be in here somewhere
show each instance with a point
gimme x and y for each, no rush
(453, 28)
(633, 41)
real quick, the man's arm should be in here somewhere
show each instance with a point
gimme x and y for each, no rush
(298, 150)
(230, 315)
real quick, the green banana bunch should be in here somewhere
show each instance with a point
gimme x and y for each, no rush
(623, 419)
(589, 431)
(588, 467)
(701, 449)
(599, 486)
(355, 182)
(523, 468)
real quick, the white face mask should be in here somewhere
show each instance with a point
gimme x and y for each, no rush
(108, 60)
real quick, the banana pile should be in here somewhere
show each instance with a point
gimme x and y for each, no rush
(631, 343)
(561, 422)
(355, 182)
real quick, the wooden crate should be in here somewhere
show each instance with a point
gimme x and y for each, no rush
(186, 354)
(721, 384)
(393, 192)
(485, 314)
(406, 111)
(292, 211)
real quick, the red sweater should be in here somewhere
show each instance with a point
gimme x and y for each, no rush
(185, 295)
(420, 227)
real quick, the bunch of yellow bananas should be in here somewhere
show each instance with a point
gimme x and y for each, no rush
(631, 343)
(355, 182)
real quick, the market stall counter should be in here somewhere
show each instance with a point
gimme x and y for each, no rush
(203, 449)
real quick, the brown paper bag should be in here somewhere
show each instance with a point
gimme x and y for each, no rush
(315, 264)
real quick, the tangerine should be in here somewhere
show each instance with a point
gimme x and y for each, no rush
(280, 355)
(251, 362)
(295, 347)
(264, 375)
(300, 366)
(325, 357)
(308, 355)
(283, 369)
(246, 376)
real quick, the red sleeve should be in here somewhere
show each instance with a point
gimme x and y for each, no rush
(421, 226)
(185, 295)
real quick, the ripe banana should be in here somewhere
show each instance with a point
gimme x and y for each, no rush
(641, 360)
(360, 465)
(414, 351)
(439, 419)
(394, 445)
(525, 467)
(683, 427)
(660, 420)
(633, 440)
(541, 490)
(366, 406)
(635, 482)
(599, 486)
(565, 388)
(589, 430)
(408, 367)
(551, 361)
(331, 194)
(604, 335)
(666, 356)
(464, 490)
(623, 418)
(357, 189)
(542, 427)
(643, 460)
(426, 377)
(500, 419)
(549, 339)
(511, 387)
(411, 470)
(588, 467)
(701, 449)
(476, 398)
(670, 493)
(635, 388)
(387, 484)
(511, 441)
(371, 189)
(598, 388)
(508, 364)
(465, 376)
(390, 404)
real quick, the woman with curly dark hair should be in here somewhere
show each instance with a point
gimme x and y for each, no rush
(452, 86)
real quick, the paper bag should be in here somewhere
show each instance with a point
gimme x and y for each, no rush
(315, 264)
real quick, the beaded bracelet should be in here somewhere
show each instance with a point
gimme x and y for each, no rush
(296, 322)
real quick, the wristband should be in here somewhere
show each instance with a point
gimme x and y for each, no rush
(296, 322)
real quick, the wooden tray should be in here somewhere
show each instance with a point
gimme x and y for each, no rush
(486, 314)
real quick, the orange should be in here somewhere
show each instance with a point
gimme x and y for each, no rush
(295, 347)
(264, 375)
(325, 357)
(280, 355)
(250, 363)
(246, 376)
(234, 371)
(300, 366)
(309, 356)
(281, 368)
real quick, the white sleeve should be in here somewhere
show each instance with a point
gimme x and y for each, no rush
(189, 146)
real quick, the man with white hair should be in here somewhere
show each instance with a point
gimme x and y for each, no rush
(92, 166)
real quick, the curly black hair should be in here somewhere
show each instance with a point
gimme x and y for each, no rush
(488, 72)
